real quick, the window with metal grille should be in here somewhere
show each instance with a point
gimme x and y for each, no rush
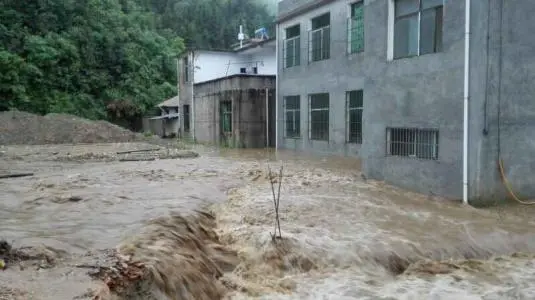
(319, 117)
(226, 116)
(354, 108)
(319, 38)
(292, 47)
(412, 142)
(417, 27)
(292, 115)
(355, 27)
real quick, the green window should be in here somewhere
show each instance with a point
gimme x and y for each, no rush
(226, 116)
(356, 28)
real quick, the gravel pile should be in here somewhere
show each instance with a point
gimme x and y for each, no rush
(22, 128)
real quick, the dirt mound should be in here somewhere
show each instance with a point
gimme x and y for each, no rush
(28, 129)
(175, 258)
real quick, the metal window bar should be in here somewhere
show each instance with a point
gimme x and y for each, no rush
(412, 142)
(292, 52)
(423, 7)
(319, 44)
(355, 29)
(319, 117)
(354, 111)
(292, 117)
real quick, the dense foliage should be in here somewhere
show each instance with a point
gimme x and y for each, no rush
(78, 56)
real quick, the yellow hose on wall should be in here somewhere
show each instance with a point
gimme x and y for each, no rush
(508, 187)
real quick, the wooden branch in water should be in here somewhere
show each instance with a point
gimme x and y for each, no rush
(138, 159)
(276, 202)
(139, 150)
(15, 175)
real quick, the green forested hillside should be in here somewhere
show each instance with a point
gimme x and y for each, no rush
(78, 56)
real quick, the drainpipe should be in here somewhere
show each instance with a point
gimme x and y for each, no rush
(267, 117)
(466, 99)
(180, 119)
(191, 69)
(277, 86)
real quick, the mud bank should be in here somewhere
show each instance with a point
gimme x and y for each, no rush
(175, 258)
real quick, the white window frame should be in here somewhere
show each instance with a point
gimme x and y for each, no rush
(296, 48)
(310, 110)
(294, 113)
(348, 124)
(391, 28)
(310, 34)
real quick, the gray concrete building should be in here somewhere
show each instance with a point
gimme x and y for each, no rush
(227, 98)
(383, 81)
(236, 111)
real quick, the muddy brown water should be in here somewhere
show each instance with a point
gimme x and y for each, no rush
(344, 226)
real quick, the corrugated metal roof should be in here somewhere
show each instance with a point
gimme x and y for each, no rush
(173, 102)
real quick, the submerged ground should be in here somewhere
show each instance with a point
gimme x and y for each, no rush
(345, 237)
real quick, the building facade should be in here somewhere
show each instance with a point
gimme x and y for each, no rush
(228, 97)
(236, 111)
(383, 80)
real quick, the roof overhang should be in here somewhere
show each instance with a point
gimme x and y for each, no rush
(168, 116)
(302, 9)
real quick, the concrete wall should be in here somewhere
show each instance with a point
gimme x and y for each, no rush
(502, 104)
(265, 56)
(426, 92)
(185, 95)
(269, 62)
(247, 94)
(423, 92)
(210, 65)
(171, 127)
(154, 126)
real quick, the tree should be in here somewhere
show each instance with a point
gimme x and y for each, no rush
(79, 56)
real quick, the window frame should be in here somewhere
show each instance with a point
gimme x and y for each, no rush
(438, 36)
(349, 109)
(295, 112)
(296, 49)
(351, 32)
(311, 136)
(414, 142)
(325, 52)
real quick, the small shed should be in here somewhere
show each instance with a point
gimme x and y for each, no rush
(167, 124)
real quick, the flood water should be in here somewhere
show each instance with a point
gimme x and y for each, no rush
(343, 230)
